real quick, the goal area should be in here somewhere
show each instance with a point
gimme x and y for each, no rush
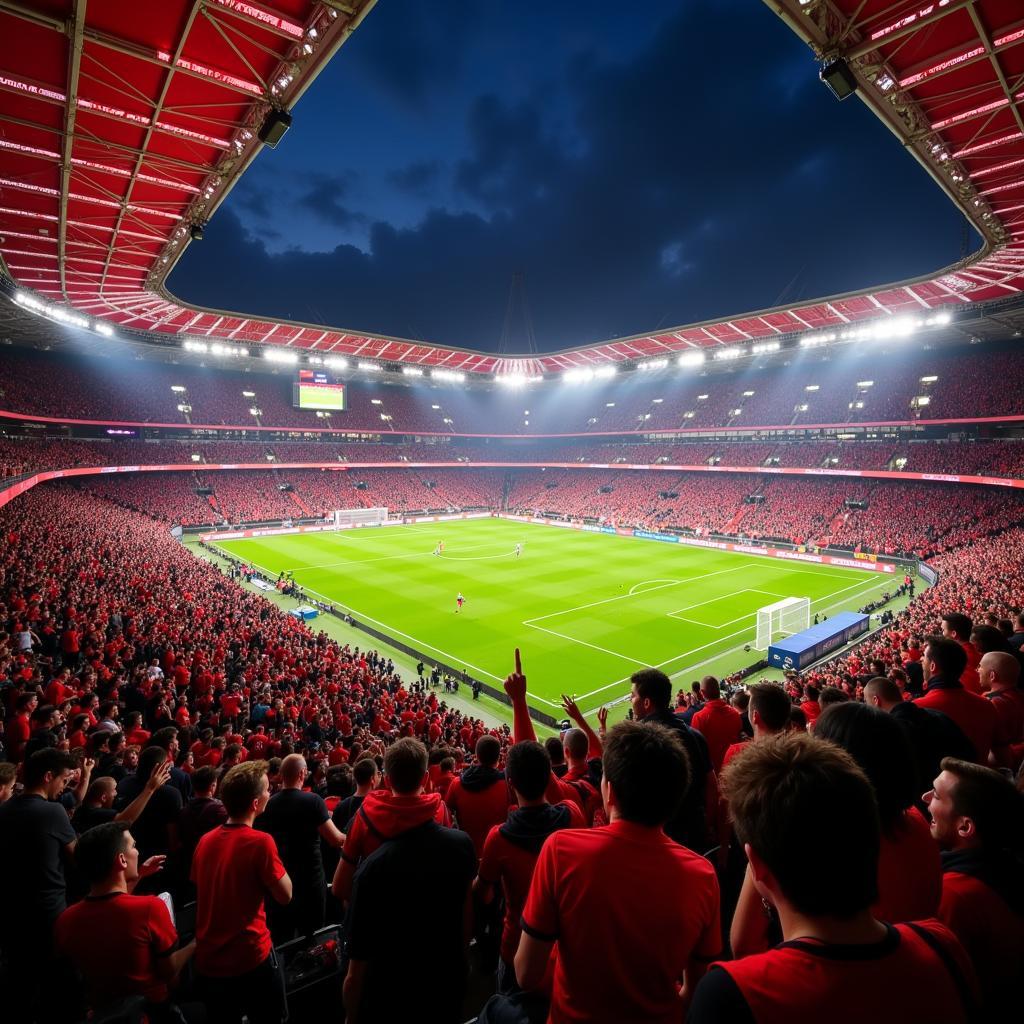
(359, 516)
(781, 619)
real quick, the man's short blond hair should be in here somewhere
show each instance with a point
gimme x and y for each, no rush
(241, 785)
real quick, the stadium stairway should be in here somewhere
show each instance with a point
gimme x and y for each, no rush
(306, 510)
(733, 524)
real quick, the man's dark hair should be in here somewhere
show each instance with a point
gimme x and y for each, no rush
(8, 773)
(959, 624)
(448, 764)
(948, 655)
(164, 737)
(831, 695)
(48, 760)
(364, 771)
(528, 769)
(97, 847)
(992, 802)
(555, 748)
(576, 743)
(202, 778)
(877, 742)
(340, 781)
(43, 713)
(810, 692)
(405, 764)
(988, 638)
(649, 770)
(148, 760)
(488, 750)
(653, 684)
(799, 801)
(798, 719)
(772, 705)
(106, 707)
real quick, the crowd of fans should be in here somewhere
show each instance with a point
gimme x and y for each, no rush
(848, 844)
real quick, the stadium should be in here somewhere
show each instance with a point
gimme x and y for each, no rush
(349, 674)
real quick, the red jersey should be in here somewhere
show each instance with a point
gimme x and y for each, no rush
(115, 943)
(909, 872)
(629, 909)
(510, 853)
(720, 724)
(991, 931)
(233, 867)
(902, 978)
(478, 800)
(975, 715)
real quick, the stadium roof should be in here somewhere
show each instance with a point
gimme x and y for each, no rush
(119, 133)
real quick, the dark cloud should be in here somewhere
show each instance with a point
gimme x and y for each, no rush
(660, 190)
(417, 177)
(422, 50)
(323, 196)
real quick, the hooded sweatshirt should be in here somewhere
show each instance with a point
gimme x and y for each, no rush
(510, 854)
(384, 815)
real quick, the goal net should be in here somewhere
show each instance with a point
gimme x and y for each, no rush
(781, 619)
(359, 516)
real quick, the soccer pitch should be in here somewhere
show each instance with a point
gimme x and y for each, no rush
(587, 610)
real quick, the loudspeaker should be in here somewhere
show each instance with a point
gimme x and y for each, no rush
(275, 124)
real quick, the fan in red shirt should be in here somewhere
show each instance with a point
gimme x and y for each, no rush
(479, 798)
(388, 813)
(718, 722)
(234, 869)
(978, 820)
(633, 913)
(957, 626)
(944, 662)
(909, 869)
(511, 849)
(138, 954)
(798, 801)
(999, 672)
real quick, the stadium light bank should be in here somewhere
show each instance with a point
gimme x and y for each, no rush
(877, 330)
(60, 315)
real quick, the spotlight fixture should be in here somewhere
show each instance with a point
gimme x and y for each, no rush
(275, 124)
(836, 74)
(196, 232)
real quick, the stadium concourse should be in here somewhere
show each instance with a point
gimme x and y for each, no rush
(214, 810)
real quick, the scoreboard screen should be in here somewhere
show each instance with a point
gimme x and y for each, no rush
(317, 389)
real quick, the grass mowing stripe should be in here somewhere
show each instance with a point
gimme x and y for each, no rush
(570, 587)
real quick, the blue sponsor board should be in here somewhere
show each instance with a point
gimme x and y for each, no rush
(928, 574)
(668, 538)
(803, 649)
(608, 529)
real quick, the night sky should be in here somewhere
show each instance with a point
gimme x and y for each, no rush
(640, 167)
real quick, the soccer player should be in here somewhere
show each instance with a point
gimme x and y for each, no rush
(439, 549)
(519, 550)
(459, 601)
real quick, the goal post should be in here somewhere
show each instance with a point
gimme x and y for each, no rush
(359, 516)
(785, 617)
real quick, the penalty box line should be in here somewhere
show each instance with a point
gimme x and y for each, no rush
(740, 632)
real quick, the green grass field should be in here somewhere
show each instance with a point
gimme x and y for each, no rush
(587, 610)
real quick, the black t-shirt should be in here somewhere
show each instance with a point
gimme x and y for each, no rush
(293, 818)
(688, 826)
(33, 834)
(423, 875)
(151, 827)
(87, 817)
(346, 811)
